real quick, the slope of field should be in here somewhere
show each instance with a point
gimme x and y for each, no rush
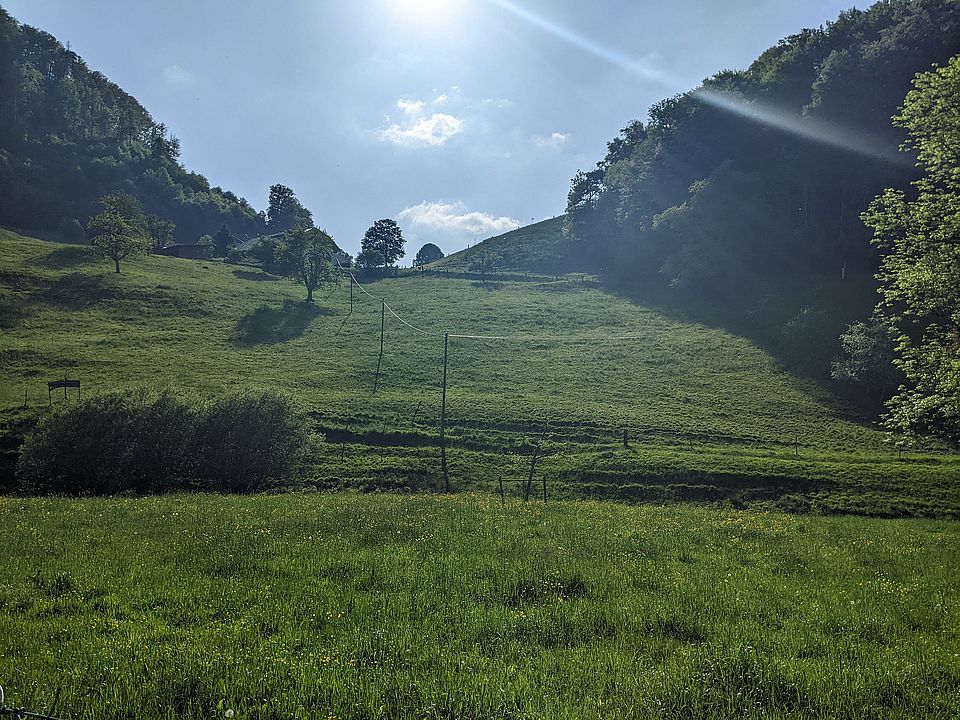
(341, 606)
(710, 416)
(540, 248)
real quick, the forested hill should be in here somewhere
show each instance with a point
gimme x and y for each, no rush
(69, 136)
(763, 173)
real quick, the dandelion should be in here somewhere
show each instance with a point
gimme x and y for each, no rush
(228, 713)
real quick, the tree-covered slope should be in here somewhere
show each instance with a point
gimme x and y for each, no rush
(764, 172)
(68, 136)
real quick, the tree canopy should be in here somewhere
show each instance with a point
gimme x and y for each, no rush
(284, 210)
(427, 254)
(69, 136)
(382, 245)
(116, 237)
(919, 242)
(304, 253)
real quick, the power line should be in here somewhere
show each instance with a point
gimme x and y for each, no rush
(514, 338)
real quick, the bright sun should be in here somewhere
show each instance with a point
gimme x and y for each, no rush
(426, 8)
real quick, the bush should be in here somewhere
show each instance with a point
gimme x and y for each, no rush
(251, 440)
(126, 442)
(147, 442)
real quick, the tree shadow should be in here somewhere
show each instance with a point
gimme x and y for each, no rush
(256, 276)
(269, 326)
(77, 290)
(12, 312)
(69, 257)
(488, 285)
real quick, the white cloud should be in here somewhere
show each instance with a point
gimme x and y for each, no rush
(411, 107)
(441, 99)
(177, 76)
(455, 218)
(553, 142)
(418, 129)
(499, 103)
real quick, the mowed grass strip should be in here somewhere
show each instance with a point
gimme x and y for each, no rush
(386, 606)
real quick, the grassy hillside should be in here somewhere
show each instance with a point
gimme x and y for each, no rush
(710, 415)
(349, 607)
(539, 248)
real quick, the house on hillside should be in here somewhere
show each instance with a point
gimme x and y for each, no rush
(189, 252)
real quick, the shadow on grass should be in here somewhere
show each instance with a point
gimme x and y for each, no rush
(269, 326)
(487, 285)
(69, 257)
(12, 312)
(255, 275)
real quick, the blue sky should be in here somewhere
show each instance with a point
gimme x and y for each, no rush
(459, 118)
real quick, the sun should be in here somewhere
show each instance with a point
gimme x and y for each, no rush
(431, 9)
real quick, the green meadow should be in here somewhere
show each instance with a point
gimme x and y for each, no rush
(388, 606)
(710, 416)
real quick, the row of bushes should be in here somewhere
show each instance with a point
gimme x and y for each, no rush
(143, 441)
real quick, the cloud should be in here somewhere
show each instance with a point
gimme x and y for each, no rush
(177, 76)
(499, 103)
(553, 142)
(411, 107)
(418, 129)
(454, 218)
(433, 131)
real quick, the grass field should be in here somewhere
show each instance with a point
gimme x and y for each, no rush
(350, 606)
(711, 416)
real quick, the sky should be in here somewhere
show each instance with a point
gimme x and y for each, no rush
(461, 119)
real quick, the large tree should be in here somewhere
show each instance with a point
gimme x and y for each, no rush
(428, 253)
(115, 237)
(919, 239)
(160, 231)
(305, 254)
(223, 241)
(284, 210)
(382, 245)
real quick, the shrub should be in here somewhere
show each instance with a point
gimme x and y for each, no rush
(250, 440)
(148, 442)
(135, 441)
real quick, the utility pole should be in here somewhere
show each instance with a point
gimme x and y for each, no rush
(383, 310)
(443, 417)
(351, 293)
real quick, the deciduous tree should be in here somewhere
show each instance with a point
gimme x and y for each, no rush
(919, 240)
(428, 253)
(115, 237)
(382, 245)
(305, 253)
(160, 232)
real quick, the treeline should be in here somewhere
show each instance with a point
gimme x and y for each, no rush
(744, 195)
(69, 136)
(765, 170)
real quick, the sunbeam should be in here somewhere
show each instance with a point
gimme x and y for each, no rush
(638, 67)
(809, 128)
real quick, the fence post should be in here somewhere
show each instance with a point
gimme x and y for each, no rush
(443, 416)
(376, 382)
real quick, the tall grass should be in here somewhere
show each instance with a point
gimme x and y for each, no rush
(384, 606)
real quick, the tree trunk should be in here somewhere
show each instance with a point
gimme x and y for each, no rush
(116, 262)
(309, 294)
